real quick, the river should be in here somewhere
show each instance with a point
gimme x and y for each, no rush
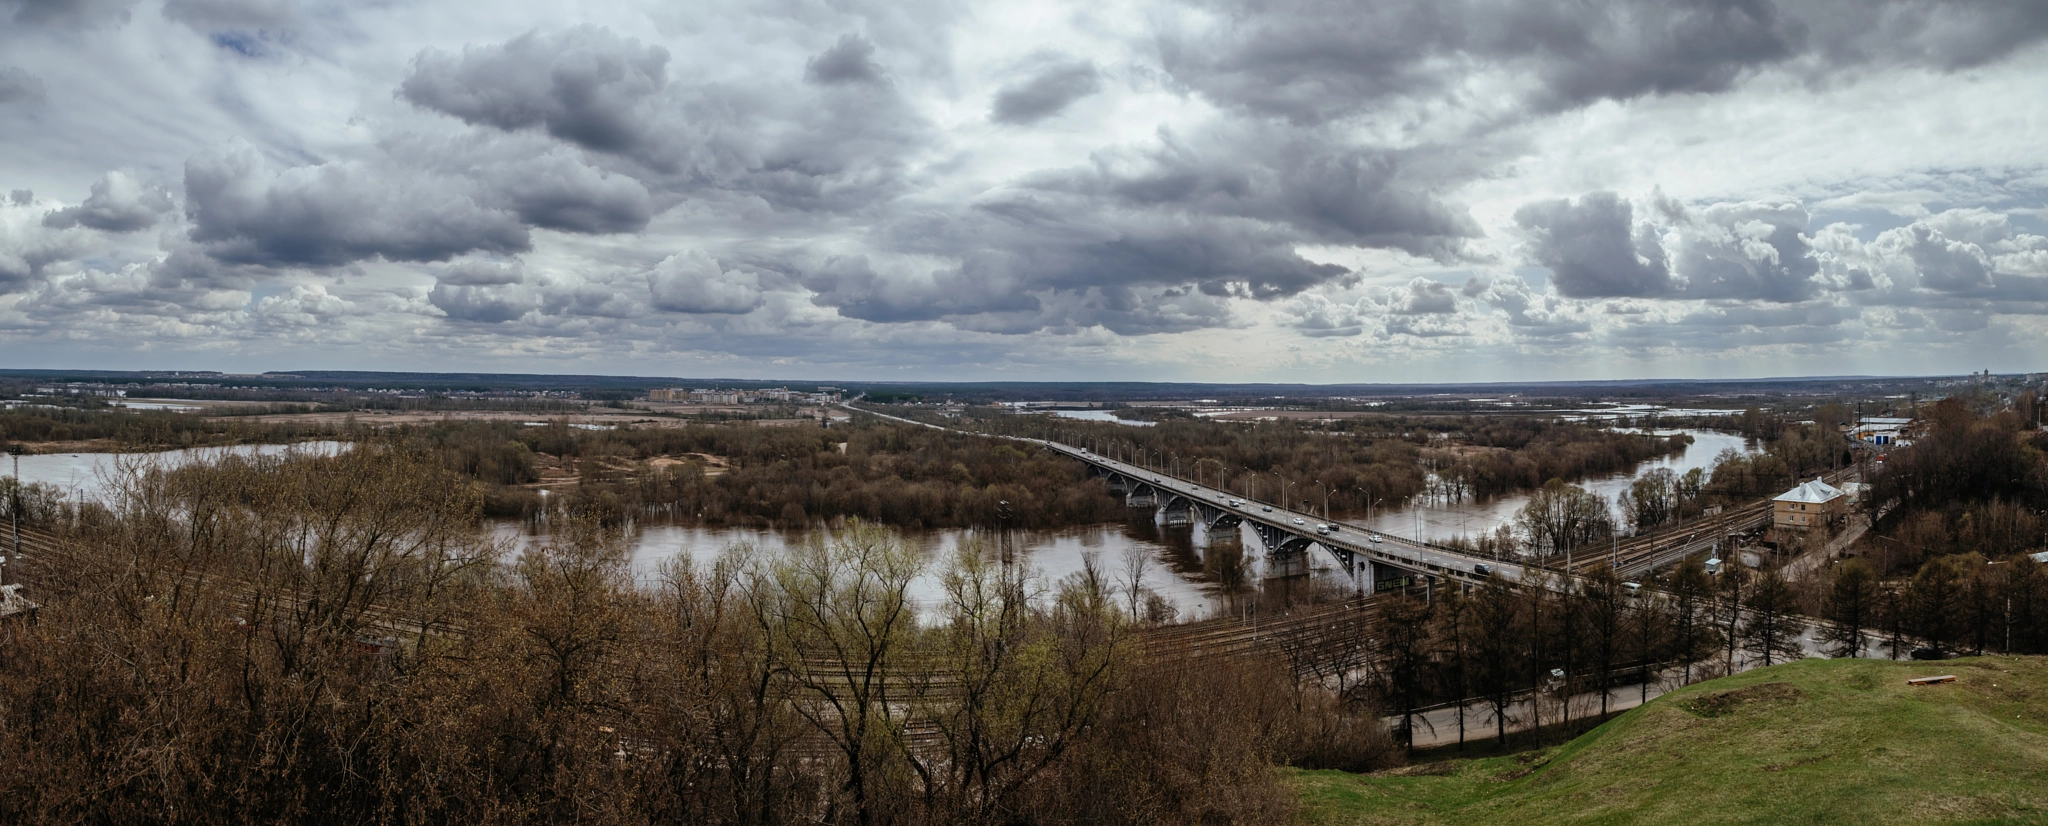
(1184, 559)
(1440, 521)
(1100, 416)
(93, 474)
(1180, 571)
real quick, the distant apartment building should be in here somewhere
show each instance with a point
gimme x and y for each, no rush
(1813, 504)
(772, 395)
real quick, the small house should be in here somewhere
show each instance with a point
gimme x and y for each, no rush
(1813, 504)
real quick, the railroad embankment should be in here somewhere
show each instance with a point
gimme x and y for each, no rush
(1816, 741)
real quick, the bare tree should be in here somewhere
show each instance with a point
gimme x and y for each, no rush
(1136, 562)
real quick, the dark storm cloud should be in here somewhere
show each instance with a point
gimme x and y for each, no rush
(246, 212)
(584, 85)
(1046, 93)
(79, 13)
(1220, 215)
(557, 192)
(1594, 249)
(1320, 59)
(1945, 265)
(233, 15)
(836, 143)
(482, 274)
(1944, 34)
(851, 60)
(1747, 251)
(18, 86)
(118, 203)
(984, 284)
(484, 305)
(1314, 191)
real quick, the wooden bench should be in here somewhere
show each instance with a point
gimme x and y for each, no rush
(1945, 678)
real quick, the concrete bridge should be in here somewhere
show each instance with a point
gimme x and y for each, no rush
(1384, 560)
(1375, 560)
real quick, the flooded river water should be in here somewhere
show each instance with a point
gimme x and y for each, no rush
(1187, 564)
(1437, 521)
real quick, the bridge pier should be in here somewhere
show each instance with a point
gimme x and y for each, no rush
(1179, 512)
(1287, 562)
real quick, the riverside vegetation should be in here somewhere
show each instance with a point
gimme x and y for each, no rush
(332, 640)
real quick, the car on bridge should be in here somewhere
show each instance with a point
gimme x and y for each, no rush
(1372, 537)
(1297, 521)
(1237, 503)
(1481, 568)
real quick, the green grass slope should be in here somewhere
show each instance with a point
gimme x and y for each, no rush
(1817, 741)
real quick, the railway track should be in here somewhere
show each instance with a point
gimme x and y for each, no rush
(1641, 555)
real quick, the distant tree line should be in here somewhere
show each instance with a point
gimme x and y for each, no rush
(144, 429)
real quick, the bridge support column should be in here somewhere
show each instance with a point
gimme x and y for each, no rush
(1288, 562)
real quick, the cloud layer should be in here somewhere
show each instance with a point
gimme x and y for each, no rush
(1308, 190)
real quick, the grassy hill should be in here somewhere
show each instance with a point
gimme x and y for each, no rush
(1817, 741)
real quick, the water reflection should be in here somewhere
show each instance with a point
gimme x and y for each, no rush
(1438, 521)
(1198, 572)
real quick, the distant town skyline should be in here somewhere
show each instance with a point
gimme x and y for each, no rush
(1316, 192)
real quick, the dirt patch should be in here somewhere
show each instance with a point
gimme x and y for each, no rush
(1440, 768)
(1722, 703)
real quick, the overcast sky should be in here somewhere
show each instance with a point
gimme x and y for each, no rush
(1402, 190)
